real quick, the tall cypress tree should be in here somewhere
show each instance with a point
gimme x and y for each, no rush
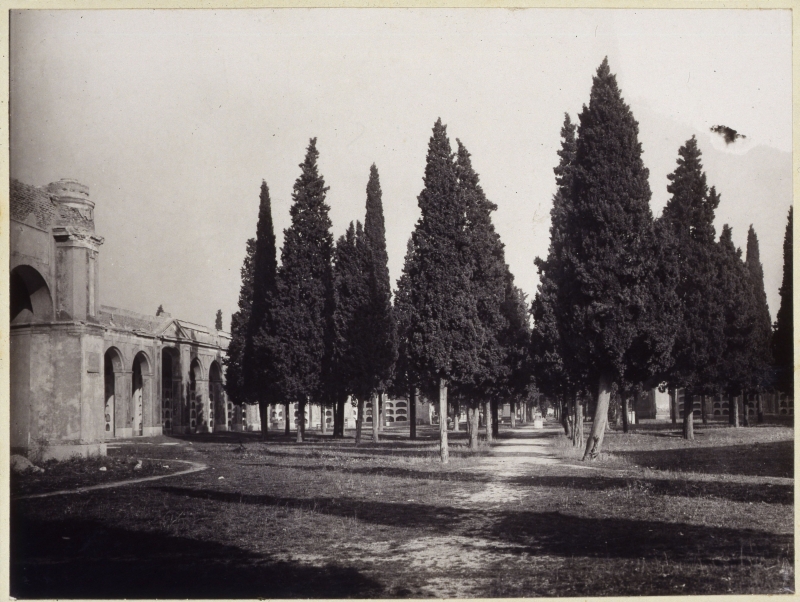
(258, 355)
(488, 270)
(760, 344)
(233, 361)
(445, 331)
(304, 309)
(406, 377)
(381, 345)
(783, 337)
(552, 376)
(608, 310)
(688, 218)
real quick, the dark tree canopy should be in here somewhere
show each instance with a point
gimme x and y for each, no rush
(234, 379)
(761, 338)
(783, 337)
(259, 355)
(605, 310)
(304, 309)
(218, 320)
(442, 330)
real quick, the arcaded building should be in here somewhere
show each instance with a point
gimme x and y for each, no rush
(83, 373)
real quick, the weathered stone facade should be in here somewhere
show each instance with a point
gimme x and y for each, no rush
(83, 373)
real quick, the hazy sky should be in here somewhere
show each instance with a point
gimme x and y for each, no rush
(173, 118)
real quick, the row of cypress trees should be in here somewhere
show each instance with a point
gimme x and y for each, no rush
(628, 302)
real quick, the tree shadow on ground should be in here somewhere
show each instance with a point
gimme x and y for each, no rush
(556, 534)
(735, 492)
(773, 459)
(87, 559)
(386, 471)
(440, 519)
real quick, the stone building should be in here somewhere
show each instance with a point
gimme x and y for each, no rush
(83, 373)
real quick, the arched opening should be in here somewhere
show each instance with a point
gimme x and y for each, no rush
(112, 373)
(139, 394)
(196, 414)
(30, 299)
(216, 397)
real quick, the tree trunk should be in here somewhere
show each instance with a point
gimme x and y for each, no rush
(340, 407)
(688, 415)
(376, 418)
(472, 416)
(443, 451)
(595, 441)
(513, 415)
(456, 412)
(381, 413)
(734, 412)
(263, 410)
(523, 414)
(625, 419)
(286, 418)
(487, 421)
(703, 413)
(412, 414)
(745, 411)
(563, 410)
(759, 409)
(673, 405)
(359, 420)
(577, 428)
(301, 420)
(495, 419)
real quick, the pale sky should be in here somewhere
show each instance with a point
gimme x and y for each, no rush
(173, 118)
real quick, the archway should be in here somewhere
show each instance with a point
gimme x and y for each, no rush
(113, 374)
(30, 299)
(170, 390)
(197, 415)
(140, 395)
(216, 398)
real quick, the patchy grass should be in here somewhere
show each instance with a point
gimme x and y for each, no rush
(329, 519)
(82, 472)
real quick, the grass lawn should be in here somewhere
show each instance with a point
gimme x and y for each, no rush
(654, 515)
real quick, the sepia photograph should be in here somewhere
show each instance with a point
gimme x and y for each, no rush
(400, 303)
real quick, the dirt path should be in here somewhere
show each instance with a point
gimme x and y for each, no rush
(194, 467)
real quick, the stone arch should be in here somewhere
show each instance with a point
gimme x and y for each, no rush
(113, 398)
(171, 389)
(216, 397)
(30, 298)
(141, 400)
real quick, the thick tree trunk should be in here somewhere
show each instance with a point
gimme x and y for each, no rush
(301, 420)
(688, 415)
(577, 428)
(381, 413)
(759, 409)
(564, 412)
(412, 414)
(595, 442)
(359, 420)
(443, 451)
(286, 418)
(734, 412)
(495, 419)
(513, 415)
(625, 426)
(472, 416)
(376, 418)
(263, 410)
(456, 412)
(487, 421)
(340, 407)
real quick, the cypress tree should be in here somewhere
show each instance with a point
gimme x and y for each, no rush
(608, 307)
(406, 379)
(234, 378)
(489, 271)
(218, 320)
(783, 337)
(445, 333)
(303, 318)
(760, 344)
(259, 366)
(381, 346)
(688, 220)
